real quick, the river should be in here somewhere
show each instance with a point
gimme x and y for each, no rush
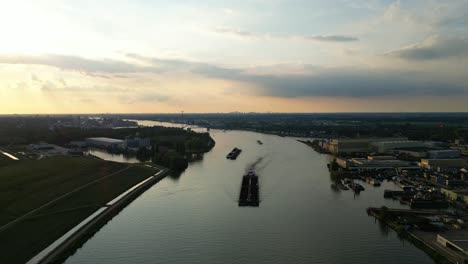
(103, 154)
(194, 217)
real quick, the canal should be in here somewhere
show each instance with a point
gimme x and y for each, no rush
(194, 217)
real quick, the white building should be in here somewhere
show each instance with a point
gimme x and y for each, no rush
(105, 142)
(41, 146)
(350, 145)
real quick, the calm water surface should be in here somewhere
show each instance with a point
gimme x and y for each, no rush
(194, 218)
(103, 154)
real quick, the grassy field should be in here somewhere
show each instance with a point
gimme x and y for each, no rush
(4, 160)
(26, 185)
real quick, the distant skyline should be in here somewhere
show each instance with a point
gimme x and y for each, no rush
(226, 56)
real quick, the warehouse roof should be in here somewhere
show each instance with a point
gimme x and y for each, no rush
(107, 140)
(415, 148)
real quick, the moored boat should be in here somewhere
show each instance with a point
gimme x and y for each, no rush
(375, 182)
(356, 187)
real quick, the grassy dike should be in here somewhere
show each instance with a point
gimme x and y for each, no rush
(77, 186)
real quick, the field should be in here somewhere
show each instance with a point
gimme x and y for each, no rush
(4, 160)
(78, 187)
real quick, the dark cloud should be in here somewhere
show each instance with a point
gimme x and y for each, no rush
(433, 49)
(341, 82)
(145, 98)
(153, 98)
(336, 83)
(62, 87)
(75, 63)
(162, 64)
(48, 86)
(34, 78)
(332, 38)
(237, 32)
(87, 101)
(21, 86)
(253, 35)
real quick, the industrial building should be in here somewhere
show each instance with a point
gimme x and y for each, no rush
(105, 142)
(415, 152)
(381, 158)
(427, 152)
(455, 195)
(41, 146)
(444, 154)
(136, 143)
(78, 144)
(354, 145)
(458, 243)
(47, 150)
(443, 163)
(390, 145)
(374, 163)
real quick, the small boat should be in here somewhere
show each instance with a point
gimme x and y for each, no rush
(375, 183)
(356, 187)
(259, 142)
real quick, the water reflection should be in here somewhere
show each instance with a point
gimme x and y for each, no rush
(103, 154)
(384, 230)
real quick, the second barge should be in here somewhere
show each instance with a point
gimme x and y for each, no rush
(234, 153)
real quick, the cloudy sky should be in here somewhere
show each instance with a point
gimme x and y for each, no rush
(222, 56)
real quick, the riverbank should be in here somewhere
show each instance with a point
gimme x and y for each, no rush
(414, 226)
(41, 200)
(314, 144)
(417, 238)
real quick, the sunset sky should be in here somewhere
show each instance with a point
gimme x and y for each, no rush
(223, 56)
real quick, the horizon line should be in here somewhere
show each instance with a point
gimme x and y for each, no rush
(234, 112)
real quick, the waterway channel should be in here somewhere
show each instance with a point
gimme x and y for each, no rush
(194, 217)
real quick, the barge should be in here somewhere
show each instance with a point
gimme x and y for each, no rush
(234, 153)
(249, 193)
(356, 187)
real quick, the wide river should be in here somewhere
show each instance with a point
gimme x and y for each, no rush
(194, 218)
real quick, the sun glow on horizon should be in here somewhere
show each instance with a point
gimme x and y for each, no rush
(69, 57)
